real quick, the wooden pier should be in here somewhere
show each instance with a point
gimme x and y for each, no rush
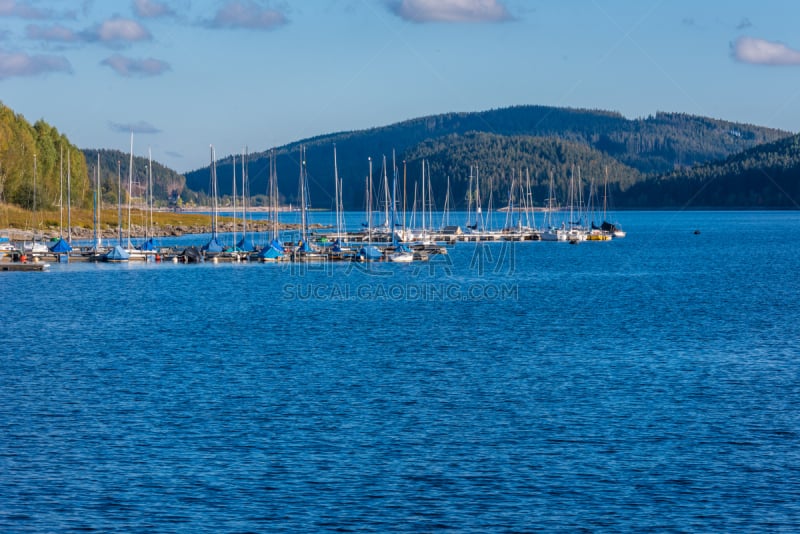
(24, 266)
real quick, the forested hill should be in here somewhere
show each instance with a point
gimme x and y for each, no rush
(114, 164)
(767, 176)
(656, 144)
(503, 163)
(22, 144)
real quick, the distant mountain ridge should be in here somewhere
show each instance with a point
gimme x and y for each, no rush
(656, 144)
(766, 176)
(665, 160)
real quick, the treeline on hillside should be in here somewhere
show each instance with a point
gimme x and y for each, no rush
(498, 161)
(168, 185)
(31, 169)
(656, 144)
(527, 161)
(767, 176)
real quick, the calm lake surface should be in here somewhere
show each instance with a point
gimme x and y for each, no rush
(646, 383)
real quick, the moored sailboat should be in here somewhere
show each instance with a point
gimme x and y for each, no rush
(213, 247)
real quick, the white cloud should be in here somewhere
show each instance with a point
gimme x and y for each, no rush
(51, 33)
(246, 14)
(12, 8)
(151, 9)
(129, 67)
(117, 31)
(19, 64)
(763, 52)
(140, 127)
(450, 10)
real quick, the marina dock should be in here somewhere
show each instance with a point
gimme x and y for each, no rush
(24, 266)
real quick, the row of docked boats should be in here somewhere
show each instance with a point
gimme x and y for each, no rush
(391, 241)
(316, 250)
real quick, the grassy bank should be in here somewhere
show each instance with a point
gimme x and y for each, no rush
(23, 224)
(15, 217)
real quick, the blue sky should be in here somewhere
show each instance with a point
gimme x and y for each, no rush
(189, 73)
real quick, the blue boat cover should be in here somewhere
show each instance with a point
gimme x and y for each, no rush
(370, 253)
(150, 244)
(117, 254)
(270, 253)
(213, 246)
(61, 246)
(246, 243)
(277, 245)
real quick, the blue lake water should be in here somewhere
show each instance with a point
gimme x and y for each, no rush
(646, 383)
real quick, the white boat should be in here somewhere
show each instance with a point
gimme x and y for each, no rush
(35, 247)
(401, 257)
(614, 228)
(576, 234)
(553, 234)
(401, 254)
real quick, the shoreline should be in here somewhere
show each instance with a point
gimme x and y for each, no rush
(138, 232)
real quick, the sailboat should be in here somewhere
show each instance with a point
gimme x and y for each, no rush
(150, 246)
(401, 253)
(274, 251)
(551, 232)
(35, 248)
(575, 232)
(213, 247)
(339, 251)
(476, 231)
(62, 247)
(117, 254)
(423, 236)
(612, 228)
(304, 250)
(134, 253)
(96, 208)
(368, 251)
(246, 243)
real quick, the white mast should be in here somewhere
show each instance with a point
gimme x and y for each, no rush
(97, 200)
(234, 201)
(61, 196)
(385, 194)
(369, 202)
(34, 197)
(214, 193)
(478, 213)
(245, 194)
(469, 198)
(130, 192)
(337, 194)
(69, 201)
(423, 199)
(431, 204)
(150, 191)
(119, 202)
